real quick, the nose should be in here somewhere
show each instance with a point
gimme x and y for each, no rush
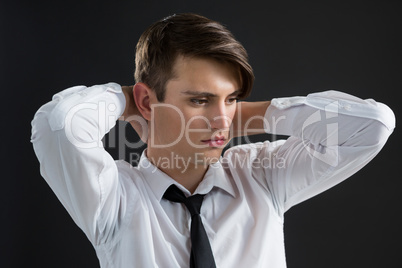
(219, 118)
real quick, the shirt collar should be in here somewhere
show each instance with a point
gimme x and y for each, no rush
(160, 181)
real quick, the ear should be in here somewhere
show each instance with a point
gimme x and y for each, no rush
(143, 95)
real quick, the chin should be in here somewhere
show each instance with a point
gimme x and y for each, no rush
(210, 156)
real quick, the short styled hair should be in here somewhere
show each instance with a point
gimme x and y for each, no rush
(188, 35)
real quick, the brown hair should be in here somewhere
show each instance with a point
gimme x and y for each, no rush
(189, 35)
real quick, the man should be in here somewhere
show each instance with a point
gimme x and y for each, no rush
(221, 212)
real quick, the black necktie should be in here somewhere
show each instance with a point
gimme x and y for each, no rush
(201, 253)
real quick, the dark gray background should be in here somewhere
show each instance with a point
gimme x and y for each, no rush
(295, 47)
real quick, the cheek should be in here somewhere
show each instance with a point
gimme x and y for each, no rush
(197, 122)
(197, 125)
(168, 123)
(232, 111)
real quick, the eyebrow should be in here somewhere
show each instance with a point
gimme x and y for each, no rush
(206, 94)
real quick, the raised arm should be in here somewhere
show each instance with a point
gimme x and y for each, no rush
(332, 136)
(66, 136)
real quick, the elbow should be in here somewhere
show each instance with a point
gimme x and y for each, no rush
(379, 134)
(380, 130)
(375, 134)
(373, 131)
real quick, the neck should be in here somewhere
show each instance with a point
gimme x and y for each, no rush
(181, 169)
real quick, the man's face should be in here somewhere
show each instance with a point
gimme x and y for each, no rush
(194, 120)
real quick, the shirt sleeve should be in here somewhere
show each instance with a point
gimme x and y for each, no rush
(332, 136)
(67, 137)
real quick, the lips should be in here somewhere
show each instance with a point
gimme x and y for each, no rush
(217, 141)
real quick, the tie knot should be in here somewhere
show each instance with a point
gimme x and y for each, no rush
(193, 203)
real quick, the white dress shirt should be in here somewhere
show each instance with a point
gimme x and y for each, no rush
(120, 207)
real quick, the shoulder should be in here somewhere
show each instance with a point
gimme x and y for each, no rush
(130, 177)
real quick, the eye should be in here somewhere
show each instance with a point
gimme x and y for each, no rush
(232, 100)
(199, 101)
